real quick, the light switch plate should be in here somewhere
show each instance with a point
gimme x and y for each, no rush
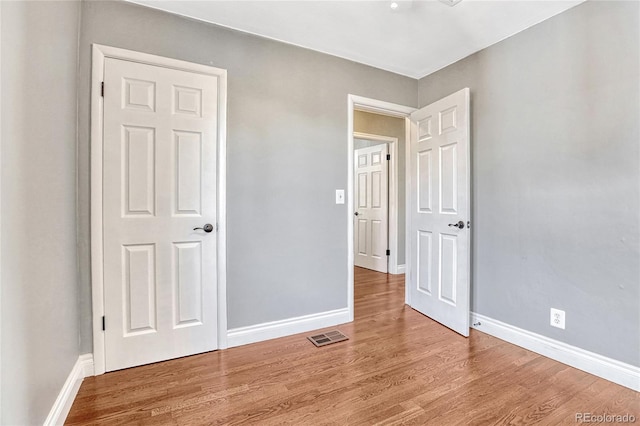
(339, 196)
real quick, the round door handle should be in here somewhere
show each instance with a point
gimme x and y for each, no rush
(356, 214)
(460, 225)
(206, 228)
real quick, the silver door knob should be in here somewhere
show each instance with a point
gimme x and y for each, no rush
(206, 228)
(460, 225)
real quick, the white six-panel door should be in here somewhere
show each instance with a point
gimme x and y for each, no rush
(159, 183)
(371, 207)
(439, 179)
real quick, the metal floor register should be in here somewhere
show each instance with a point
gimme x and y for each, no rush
(328, 338)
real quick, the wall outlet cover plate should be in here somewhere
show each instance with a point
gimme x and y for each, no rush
(557, 318)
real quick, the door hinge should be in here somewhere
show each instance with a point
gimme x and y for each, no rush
(102, 89)
(103, 324)
(388, 157)
(388, 252)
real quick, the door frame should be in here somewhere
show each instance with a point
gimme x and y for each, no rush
(1, 202)
(392, 195)
(361, 103)
(99, 54)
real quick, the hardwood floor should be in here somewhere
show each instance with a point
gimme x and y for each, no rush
(398, 367)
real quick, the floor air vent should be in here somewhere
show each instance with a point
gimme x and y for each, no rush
(327, 338)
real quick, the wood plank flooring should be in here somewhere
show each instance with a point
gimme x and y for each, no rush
(398, 367)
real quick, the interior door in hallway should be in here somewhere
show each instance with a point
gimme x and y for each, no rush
(371, 207)
(439, 235)
(159, 194)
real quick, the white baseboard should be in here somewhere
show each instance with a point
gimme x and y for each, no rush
(397, 269)
(82, 368)
(87, 364)
(610, 369)
(271, 330)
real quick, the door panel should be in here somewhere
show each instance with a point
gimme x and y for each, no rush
(377, 189)
(371, 195)
(140, 292)
(361, 190)
(424, 181)
(448, 262)
(448, 179)
(139, 180)
(377, 241)
(187, 260)
(188, 164)
(439, 173)
(159, 165)
(424, 255)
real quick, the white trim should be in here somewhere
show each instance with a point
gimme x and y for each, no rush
(0, 215)
(393, 194)
(86, 362)
(607, 368)
(349, 202)
(101, 52)
(272, 330)
(401, 269)
(97, 73)
(361, 103)
(81, 369)
(222, 211)
(407, 211)
(381, 107)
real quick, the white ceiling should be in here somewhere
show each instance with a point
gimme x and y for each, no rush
(418, 38)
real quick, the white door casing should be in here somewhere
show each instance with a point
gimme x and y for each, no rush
(380, 107)
(157, 277)
(439, 182)
(371, 209)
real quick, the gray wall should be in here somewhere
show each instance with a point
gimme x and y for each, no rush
(39, 293)
(383, 125)
(287, 150)
(556, 176)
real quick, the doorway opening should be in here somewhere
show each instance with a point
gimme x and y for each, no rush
(377, 128)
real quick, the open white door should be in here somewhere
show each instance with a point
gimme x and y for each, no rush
(371, 208)
(159, 186)
(439, 182)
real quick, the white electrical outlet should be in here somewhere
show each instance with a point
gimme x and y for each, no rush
(557, 318)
